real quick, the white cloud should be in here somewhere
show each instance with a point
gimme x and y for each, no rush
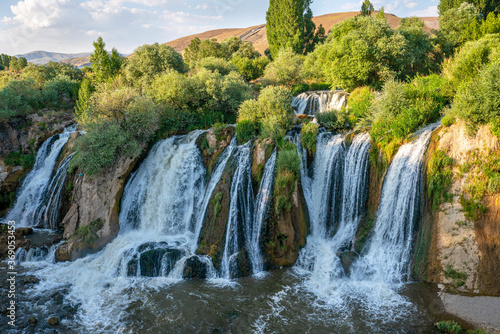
(36, 14)
(351, 5)
(411, 5)
(429, 11)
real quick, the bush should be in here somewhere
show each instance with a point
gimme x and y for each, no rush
(251, 69)
(459, 25)
(271, 111)
(478, 101)
(333, 120)
(60, 91)
(20, 159)
(308, 133)
(215, 64)
(246, 130)
(118, 122)
(151, 60)
(20, 96)
(287, 173)
(286, 69)
(358, 104)
(449, 327)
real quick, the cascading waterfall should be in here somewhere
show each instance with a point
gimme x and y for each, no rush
(40, 190)
(314, 102)
(262, 204)
(214, 179)
(240, 211)
(387, 253)
(49, 217)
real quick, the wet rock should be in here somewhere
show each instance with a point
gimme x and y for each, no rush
(194, 268)
(347, 259)
(20, 237)
(53, 321)
(31, 280)
(154, 262)
(241, 266)
(32, 321)
(58, 298)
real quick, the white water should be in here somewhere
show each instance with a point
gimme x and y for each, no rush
(261, 209)
(240, 211)
(32, 195)
(314, 102)
(387, 253)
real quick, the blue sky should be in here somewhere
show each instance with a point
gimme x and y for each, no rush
(71, 25)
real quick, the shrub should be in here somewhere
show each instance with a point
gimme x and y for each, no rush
(251, 69)
(60, 91)
(333, 120)
(20, 96)
(309, 132)
(449, 326)
(287, 173)
(151, 60)
(246, 130)
(286, 69)
(118, 123)
(20, 159)
(358, 104)
(478, 101)
(215, 64)
(459, 25)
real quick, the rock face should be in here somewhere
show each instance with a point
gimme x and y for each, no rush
(24, 136)
(213, 143)
(263, 148)
(20, 234)
(92, 219)
(452, 247)
(286, 232)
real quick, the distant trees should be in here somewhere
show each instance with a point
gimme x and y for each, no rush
(290, 25)
(367, 8)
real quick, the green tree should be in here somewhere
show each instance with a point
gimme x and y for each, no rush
(198, 49)
(84, 94)
(459, 25)
(286, 69)
(484, 6)
(285, 25)
(381, 14)
(151, 60)
(367, 8)
(104, 65)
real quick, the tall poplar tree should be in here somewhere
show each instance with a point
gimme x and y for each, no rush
(285, 25)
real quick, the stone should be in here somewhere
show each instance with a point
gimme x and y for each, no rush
(194, 268)
(32, 321)
(53, 321)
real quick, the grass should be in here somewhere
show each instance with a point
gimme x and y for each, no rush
(217, 203)
(20, 159)
(288, 172)
(458, 277)
(87, 233)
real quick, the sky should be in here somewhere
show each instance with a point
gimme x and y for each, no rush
(70, 26)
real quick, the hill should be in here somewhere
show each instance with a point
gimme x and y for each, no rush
(257, 34)
(43, 57)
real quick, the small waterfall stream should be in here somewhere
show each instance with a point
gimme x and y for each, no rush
(38, 199)
(239, 222)
(262, 204)
(314, 102)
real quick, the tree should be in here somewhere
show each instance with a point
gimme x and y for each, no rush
(104, 66)
(285, 25)
(367, 8)
(484, 6)
(286, 69)
(310, 38)
(381, 14)
(151, 60)
(459, 25)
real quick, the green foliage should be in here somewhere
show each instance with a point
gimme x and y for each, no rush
(286, 69)
(213, 64)
(271, 111)
(151, 60)
(198, 49)
(449, 326)
(363, 51)
(203, 99)
(44, 73)
(217, 203)
(367, 8)
(117, 123)
(84, 94)
(285, 25)
(20, 159)
(19, 97)
(251, 69)
(60, 91)
(358, 104)
(459, 25)
(87, 233)
(458, 277)
(308, 133)
(287, 173)
(333, 120)
(439, 178)
(403, 108)
(104, 65)
(485, 6)
(478, 100)
(303, 87)
(246, 130)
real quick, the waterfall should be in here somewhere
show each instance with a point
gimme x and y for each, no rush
(240, 211)
(340, 190)
(40, 187)
(214, 179)
(314, 102)
(49, 215)
(386, 255)
(262, 204)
